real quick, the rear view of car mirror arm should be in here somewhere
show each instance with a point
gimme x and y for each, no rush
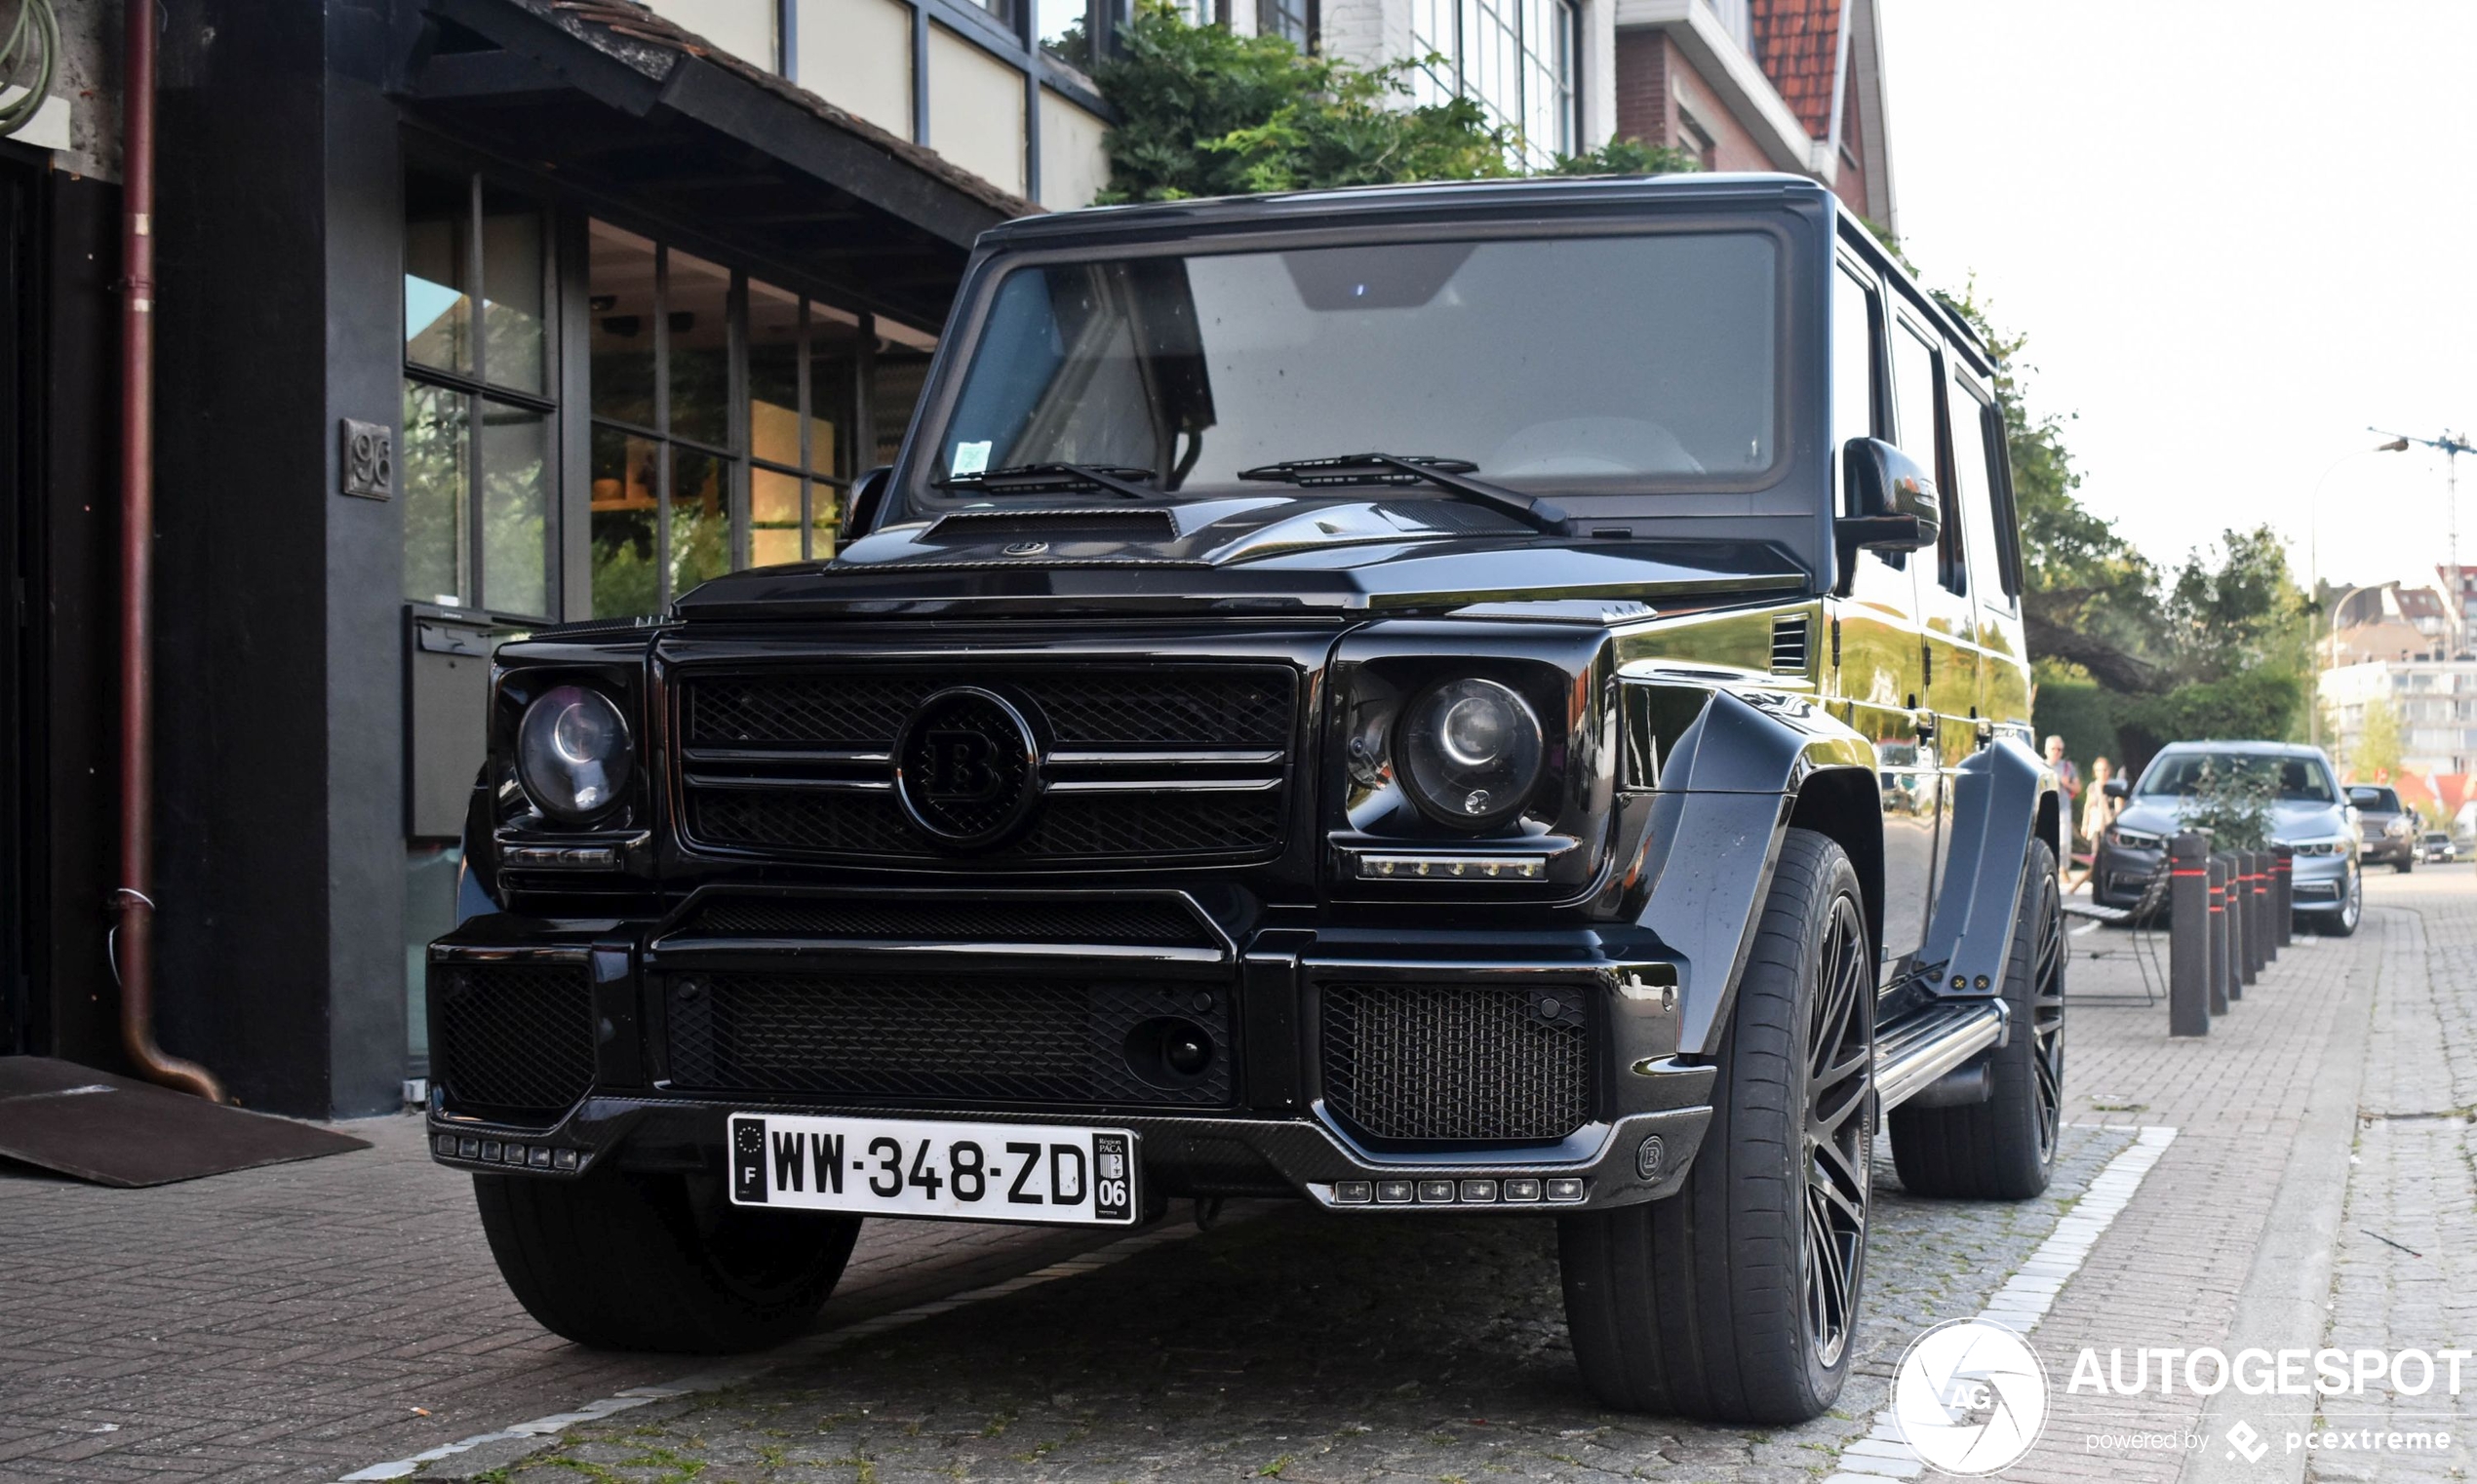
(1897, 507)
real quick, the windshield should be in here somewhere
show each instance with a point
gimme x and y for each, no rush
(1614, 364)
(2381, 800)
(2301, 780)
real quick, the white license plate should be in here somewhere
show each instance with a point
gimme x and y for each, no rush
(1014, 1172)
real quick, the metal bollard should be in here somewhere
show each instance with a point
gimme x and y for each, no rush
(2249, 910)
(2237, 961)
(2221, 942)
(2283, 895)
(2265, 944)
(2188, 935)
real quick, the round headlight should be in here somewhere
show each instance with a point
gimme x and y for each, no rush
(1470, 752)
(573, 753)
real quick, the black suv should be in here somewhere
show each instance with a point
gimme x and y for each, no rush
(1494, 699)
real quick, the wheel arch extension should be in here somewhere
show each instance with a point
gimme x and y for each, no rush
(1846, 805)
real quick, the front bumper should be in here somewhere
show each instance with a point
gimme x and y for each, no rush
(2317, 883)
(1272, 1119)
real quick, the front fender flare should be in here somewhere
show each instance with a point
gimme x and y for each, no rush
(1729, 770)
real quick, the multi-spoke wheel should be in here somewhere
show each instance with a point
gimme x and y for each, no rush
(1735, 1299)
(2004, 1149)
(1839, 1115)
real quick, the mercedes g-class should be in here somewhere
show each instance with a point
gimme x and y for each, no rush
(1496, 699)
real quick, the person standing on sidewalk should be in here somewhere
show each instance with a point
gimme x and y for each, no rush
(2098, 811)
(2068, 778)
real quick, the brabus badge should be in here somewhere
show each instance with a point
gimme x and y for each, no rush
(1026, 548)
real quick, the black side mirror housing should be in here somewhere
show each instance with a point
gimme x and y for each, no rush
(1897, 507)
(2116, 788)
(866, 502)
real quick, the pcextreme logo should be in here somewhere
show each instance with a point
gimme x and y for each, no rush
(1970, 1397)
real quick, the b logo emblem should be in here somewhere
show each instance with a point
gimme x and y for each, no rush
(966, 769)
(959, 771)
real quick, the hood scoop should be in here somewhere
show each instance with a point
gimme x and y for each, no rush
(1120, 526)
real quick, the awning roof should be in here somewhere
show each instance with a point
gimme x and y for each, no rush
(624, 108)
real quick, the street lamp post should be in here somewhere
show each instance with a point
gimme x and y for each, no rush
(2313, 574)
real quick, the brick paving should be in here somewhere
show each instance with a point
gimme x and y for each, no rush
(302, 1321)
(286, 1324)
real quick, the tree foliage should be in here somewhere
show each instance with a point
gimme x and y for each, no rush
(2375, 757)
(1206, 112)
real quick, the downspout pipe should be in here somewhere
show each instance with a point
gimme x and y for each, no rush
(134, 937)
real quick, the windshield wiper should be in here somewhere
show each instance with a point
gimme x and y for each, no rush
(1451, 474)
(1045, 479)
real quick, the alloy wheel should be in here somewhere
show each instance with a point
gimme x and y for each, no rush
(2047, 1015)
(1840, 1074)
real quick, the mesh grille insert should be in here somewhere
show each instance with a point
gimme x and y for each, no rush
(986, 921)
(514, 1039)
(923, 1036)
(1456, 1062)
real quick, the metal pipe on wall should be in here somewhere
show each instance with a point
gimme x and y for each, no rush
(134, 940)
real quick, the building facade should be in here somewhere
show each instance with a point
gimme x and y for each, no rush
(2433, 703)
(471, 316)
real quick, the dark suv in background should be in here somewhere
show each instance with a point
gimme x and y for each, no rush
(2388, 827)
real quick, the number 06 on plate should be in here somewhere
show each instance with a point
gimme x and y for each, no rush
(1011, 1172)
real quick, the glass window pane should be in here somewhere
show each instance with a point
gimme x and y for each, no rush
(514, 349)
(431, 469)
(438, 316)
(699, 307)
(902, 366)
(774, 373)
(626, 572)
(773, 516)
(834, 361)
(700, 518)
(514, 510)
(619, 279)
(1065, 30)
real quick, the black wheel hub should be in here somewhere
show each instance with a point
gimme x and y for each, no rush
(1839, 1130)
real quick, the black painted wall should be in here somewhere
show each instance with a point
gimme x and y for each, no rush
(280, 696)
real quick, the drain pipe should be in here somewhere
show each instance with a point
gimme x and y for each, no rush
(132, 942)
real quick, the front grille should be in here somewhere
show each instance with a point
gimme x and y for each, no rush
(1457, 1064)
(514, 1040)
(1190, 764)
(1015, 1039)
(1006, 920)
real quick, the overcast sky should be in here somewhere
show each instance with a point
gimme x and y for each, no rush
(2235, 234)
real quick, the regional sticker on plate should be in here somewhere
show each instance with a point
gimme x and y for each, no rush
(1018, 1172)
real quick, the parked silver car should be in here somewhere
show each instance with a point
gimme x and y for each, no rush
(2310, 815)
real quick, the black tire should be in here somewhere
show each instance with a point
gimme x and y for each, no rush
(1721, 1303)
(624, 1262)
(2004, 1149)
(2404, 864)
(2343, 923)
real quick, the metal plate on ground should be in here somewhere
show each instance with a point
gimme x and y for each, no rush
(119, 1131)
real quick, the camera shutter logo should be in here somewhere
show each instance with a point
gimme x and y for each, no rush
(1970, 1397)
(967, 768)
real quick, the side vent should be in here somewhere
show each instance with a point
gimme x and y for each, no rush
(1791, 640)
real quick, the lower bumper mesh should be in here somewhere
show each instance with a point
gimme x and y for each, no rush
(513, 1041)
(1456, 1063)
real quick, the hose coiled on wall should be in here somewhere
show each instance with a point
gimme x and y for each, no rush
(34, 38)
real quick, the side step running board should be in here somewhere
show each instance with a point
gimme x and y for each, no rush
(1913, 1051)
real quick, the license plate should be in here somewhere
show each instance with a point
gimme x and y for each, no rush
(1012, 1172)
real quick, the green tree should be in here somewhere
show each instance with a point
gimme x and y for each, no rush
(2375, 754)
(1206, 112)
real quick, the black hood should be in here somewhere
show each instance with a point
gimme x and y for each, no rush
(1247, 556)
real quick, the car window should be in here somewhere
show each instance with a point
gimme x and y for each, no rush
(2365, 797)
(1975, 494)
(1913, 380)
(2301, 780)
(1857, 375)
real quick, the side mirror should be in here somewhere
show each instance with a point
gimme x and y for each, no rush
(1896, 505)
(866, 502)
(2116, 788)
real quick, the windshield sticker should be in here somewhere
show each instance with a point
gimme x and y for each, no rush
(969, 459)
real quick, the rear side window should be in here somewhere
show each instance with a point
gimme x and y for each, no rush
(1974, 491)
(1853, 361)
(1914, 376)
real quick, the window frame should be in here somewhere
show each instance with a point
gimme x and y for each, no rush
(2001, 593)
(473, 584)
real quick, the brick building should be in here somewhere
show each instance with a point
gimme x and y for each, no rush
(1788, 85)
